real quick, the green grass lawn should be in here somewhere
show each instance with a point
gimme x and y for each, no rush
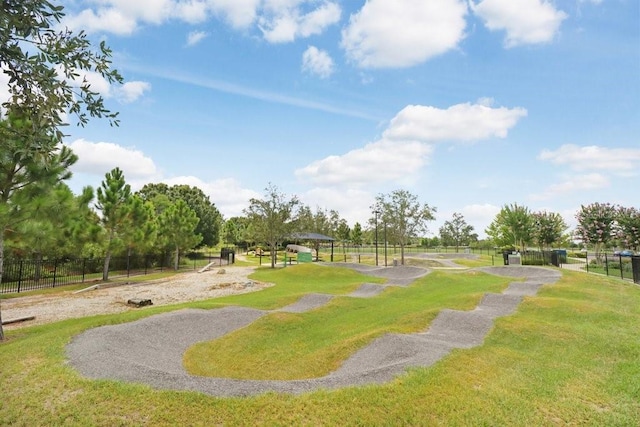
(569, 356)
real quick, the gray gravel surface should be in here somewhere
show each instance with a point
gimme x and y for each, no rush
(150, 350)
(307, 302)
(367, 290)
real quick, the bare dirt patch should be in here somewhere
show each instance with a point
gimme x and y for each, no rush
(185, 287)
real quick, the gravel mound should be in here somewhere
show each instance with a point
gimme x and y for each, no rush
(541, 274)
(396, 276)
(150, 350)
(367, 290)
(307, 303)
(148, 347)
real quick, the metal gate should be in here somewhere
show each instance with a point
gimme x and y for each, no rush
(635, 267)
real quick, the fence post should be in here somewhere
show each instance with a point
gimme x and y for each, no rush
(621, 272)
(84, 261)
(586, 255)
(20, 276)
(55, 269)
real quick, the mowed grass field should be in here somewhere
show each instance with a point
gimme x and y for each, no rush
(568, 356)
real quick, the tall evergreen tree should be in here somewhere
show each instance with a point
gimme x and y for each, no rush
(177, 225)
(61, 225)
(139, 228)
(209, 217)
(344, 234)
(114, 198)
(356, 234)
(232, 230)
(41, 63)
(30, 167)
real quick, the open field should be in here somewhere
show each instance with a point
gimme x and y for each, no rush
(567, 356)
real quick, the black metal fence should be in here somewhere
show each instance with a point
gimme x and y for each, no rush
(22, 275)
(553, 257)
(624, 267)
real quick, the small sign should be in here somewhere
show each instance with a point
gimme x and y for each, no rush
(515, 260)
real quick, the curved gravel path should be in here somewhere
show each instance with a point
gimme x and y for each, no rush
(150, 350)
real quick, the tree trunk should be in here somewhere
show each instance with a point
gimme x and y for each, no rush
(176, 259)
(1, 271)
(105, 268)
(273, 254)
(107, 257)
(38, 267)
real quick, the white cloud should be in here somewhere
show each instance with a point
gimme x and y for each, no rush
(525, 21)
(123, 17)
(352, 203)
(104, 19)
(480, 212)
(238, 13)
(193, 11)
(98, 158)
(151, 11)
(403, 33)
(480, 216)
(195, 37)
(318, 62)
(284, 21)
(571, 185)
(95, 159)
(278, 20)
(227, 194)
(407, 144)
(317, 20)
(461, 122)
(623, 161)
(131, 91)
(280, 29)
(376, 162)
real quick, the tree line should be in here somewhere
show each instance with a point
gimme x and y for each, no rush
(599, 226)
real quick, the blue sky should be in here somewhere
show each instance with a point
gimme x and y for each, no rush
(468, 105)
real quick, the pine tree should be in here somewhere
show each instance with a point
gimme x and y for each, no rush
(177, 225)
(114, 198)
